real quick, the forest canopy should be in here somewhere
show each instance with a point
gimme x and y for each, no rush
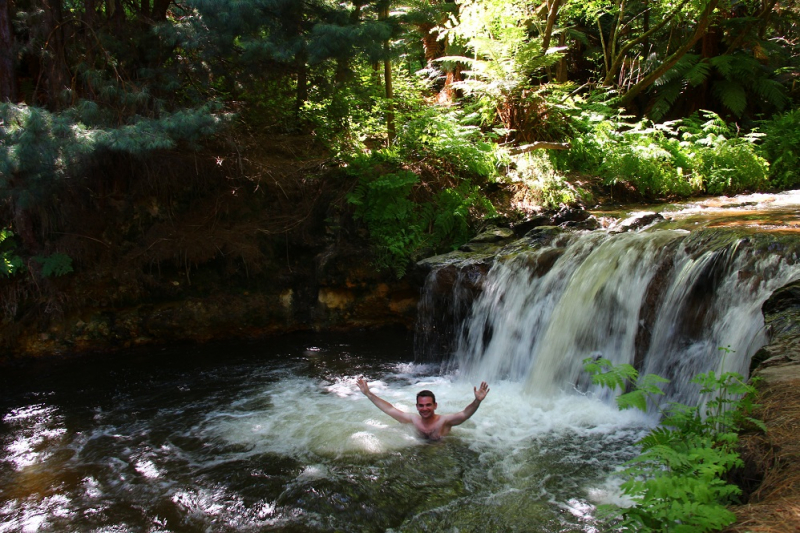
(423, 102)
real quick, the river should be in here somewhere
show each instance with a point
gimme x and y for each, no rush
(275, 436)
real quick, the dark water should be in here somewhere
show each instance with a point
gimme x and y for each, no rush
(274, 436)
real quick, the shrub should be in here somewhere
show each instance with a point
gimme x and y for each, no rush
(781, 147)
(678, 481)
(698, 154)
(400, 227)
(449, 141)
(723, 162)
(542, 184)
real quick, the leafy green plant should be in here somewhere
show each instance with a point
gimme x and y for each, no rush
(701, 153)
(447, 140)
(722, 160)
(382, 202)
(401, 227)
(56, 264)
(738, 81)
(645, 158)
(780, 145)
(10, 263)
(542, 184)
(678, 482)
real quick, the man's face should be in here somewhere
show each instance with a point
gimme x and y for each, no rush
(425, 406)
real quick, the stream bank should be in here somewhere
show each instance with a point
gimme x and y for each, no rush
(773, 458)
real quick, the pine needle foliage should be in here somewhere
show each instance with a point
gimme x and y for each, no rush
(678, 482)
(38, 147)
(41, 152)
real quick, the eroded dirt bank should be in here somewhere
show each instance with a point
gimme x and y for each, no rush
(773, 458)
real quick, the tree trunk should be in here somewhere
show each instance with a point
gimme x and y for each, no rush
(619, 58)
(551, 22)
(54, 61)
(431, 45)
(89, 13)
(8, 74)
(701, 29)
(302, 81)
(562, 71)
(160, 8)
(434, 48)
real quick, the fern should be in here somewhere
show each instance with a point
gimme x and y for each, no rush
(57, 264)
(400, 229)
(738, 80)
(10, 263)
(677, 482)
(698, 73)
(781, 147)
(732, 95)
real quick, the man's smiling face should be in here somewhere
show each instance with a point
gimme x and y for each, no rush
(426, 406)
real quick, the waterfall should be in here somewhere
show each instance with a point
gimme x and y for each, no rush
(664, 301)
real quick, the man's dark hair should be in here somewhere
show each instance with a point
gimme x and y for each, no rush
(427, 393)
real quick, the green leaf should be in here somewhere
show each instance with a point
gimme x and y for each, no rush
(636, 398)
(732, 95)
(57, 264)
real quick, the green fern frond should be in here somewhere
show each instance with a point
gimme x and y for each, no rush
(659, 436)
(771, 91)
(723, 64)
(732, 95)
(666, 97)
(678, 71)
(698, 73)
(744, 65)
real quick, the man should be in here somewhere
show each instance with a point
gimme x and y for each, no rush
(429, 425)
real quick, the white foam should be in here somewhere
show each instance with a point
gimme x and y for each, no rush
(334, 419)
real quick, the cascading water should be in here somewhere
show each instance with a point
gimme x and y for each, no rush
(664, 301)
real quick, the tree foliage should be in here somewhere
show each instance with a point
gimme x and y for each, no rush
(445, 87)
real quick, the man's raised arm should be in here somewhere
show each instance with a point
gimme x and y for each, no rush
(458, 418)
(382, 404)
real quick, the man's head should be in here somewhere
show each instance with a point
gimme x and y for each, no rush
(426, 403)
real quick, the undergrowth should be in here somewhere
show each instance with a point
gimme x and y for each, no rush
(423, 195)
(403, 228)
(678, 482)
(697, 155)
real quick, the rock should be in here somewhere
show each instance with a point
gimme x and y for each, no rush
(638, 221)
(570, 214)
(521, 228)
(493, 234)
